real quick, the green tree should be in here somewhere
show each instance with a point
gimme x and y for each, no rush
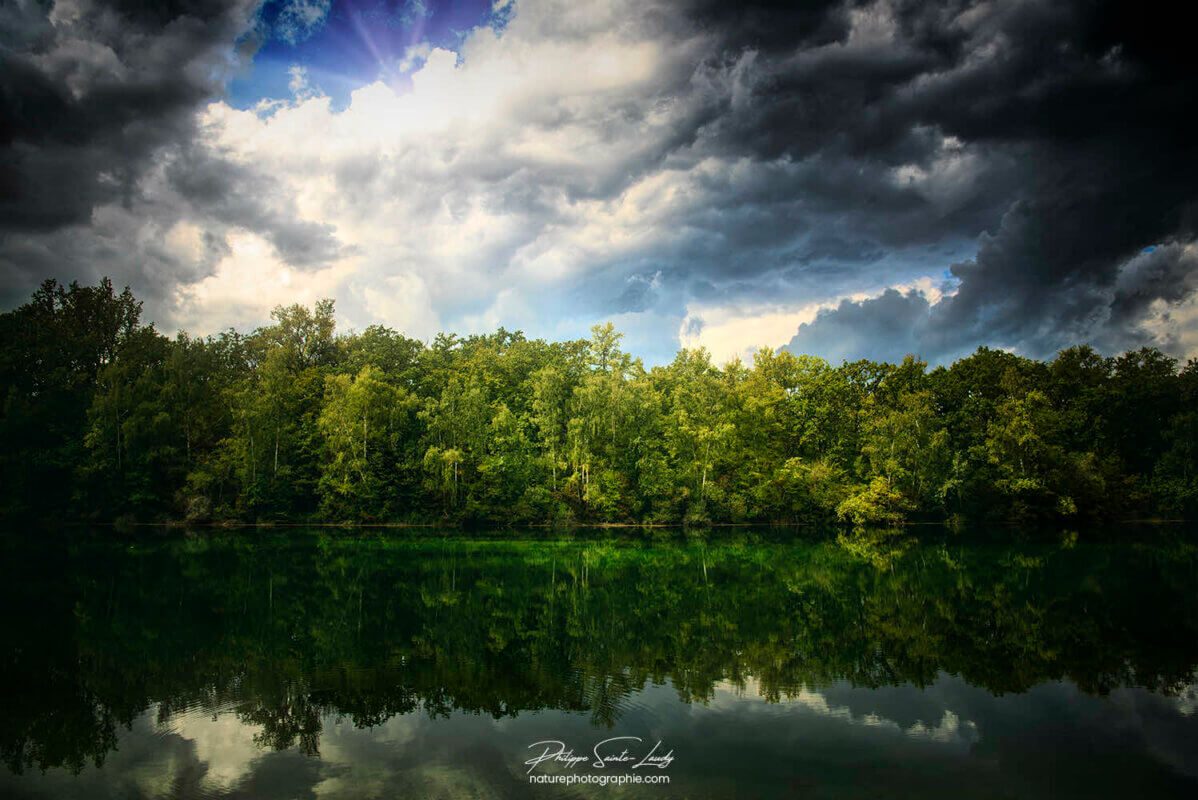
(364, 424)
(55, 347)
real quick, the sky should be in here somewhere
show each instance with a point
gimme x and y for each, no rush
(846, 179)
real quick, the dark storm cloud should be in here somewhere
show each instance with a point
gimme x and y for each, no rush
(829, 103)
(1071, 120)
(1168, 273)
(96, 96)
(809, 151)
(237, 195)
(1090, 102)
(87, 102)
(778, 26)
(874, 328)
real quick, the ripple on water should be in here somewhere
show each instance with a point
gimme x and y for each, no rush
(224, 747)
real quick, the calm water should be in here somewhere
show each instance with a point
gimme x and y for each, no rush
(334, 664)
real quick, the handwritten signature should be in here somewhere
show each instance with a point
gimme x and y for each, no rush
(608, 751)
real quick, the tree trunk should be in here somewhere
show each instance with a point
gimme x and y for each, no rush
(706, 460)
(117, 425)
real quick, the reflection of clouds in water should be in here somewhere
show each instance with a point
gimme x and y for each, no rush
(361, 761)
(837, 737)
(222, 742)
(214, 754)
(155, 770)
(949, 729)
(1165, 723)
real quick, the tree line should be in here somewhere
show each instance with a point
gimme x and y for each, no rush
(104, 417)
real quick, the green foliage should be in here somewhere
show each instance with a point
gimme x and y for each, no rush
(55, 348)
(105, 418)
(364, 423)
(875, 503)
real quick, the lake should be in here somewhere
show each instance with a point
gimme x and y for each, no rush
(331, 663)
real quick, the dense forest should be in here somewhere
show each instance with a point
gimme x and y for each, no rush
(106, 418)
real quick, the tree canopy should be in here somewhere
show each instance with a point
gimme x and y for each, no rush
(104, 417)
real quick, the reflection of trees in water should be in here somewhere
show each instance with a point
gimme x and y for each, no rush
(287, 629)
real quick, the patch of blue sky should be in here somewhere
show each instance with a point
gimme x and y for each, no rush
(346, 44)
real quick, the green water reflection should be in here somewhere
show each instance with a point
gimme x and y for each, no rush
(317, 663)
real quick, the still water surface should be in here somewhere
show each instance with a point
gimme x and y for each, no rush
(334, 664)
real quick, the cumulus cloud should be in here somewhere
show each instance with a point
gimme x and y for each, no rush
(1148, 300)
(883, 327)
(706, 173)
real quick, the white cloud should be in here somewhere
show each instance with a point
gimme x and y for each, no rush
(404, 302)
(504, 175)
(248, 282)
(738, 330)
(299, 84)
(1174, 328)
